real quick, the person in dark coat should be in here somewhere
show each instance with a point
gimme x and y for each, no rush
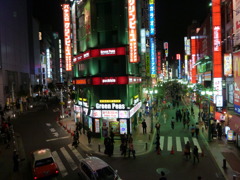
(144, 126)
(89, 135)
(112, 135)
(195, 154)
(107, 141)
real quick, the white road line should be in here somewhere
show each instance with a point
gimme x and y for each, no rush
(68, 158)
(75, 152)
(54, 139)
(161, 142)
(169, 147)
(178, 144)
(61, 167)
(195, 142)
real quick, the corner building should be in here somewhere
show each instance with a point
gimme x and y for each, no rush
(106, 82)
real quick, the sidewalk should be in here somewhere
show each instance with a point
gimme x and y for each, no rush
(142, 142)
(220, 149)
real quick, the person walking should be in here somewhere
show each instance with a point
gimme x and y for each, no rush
(157, 126)
(192, 130)
(195, 154)
(187, 152)
(172, 123)
(144, 126)
(131, 150)
(197, 130)
(158, 144)
(80, 126)
(163, 177)
(177, 115)
(89, 136)
(123, 148)
(112, 135)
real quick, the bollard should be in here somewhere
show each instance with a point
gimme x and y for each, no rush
(99, 148)
(224, 164)
(146, 146)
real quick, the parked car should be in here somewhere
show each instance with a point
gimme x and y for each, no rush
(93, 168)
(43, 164)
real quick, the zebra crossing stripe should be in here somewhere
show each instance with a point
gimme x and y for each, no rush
(75, 152)
(178, 143)
(161, 142)
(169, 147)
(68, 158)
(61, 167)
(195, 142)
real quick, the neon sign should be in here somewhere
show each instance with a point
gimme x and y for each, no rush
(132, 31)
(151, 18)
(67, 40)
(152, 57)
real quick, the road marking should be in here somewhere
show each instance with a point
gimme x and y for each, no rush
(75, 152)
(54, 139)
(195, 142)
(68, 158)
(61, 167)
(178, 144)
(169, 148)
(161, 142)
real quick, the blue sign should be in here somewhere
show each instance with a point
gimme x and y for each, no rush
(153, 67)
(151, 19)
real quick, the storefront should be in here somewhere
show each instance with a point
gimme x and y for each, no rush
(106, 117)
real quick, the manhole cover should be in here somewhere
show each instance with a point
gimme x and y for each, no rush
(159, 170)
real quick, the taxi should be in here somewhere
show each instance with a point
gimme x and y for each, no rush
(43, 164)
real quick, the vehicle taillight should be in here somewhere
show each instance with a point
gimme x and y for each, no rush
(35, 177)
(56, 172)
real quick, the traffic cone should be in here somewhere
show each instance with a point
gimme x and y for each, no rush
(172, 151)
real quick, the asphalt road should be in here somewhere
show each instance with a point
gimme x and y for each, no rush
(40, 130)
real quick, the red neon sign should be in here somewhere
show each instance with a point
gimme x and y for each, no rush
(67, 40)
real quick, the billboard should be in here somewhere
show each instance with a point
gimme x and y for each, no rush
(216, 31)
(143, 40)
(151, 18)
(227, 64)
(236, 22)
(67, 39)
(194, 58)
(236, 74)
(132, 31)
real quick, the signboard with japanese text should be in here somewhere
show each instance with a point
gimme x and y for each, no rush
(109, 114)
(236, 22)
(228, 64)
(236, 75)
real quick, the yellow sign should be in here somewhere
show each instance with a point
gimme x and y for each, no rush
(135, 97)
(110, 101)
(83, 99)
(151, 1)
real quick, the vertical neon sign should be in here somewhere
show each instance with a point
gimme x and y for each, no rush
(194, 58)
(67, 40)
(153, 68)
(132, 31)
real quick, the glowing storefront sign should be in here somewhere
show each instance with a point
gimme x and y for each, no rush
(228, 64)
(123, 114)
(123, 126)
(132, 31)
(74, 28)
(186, 64)
(152, 57)
(135, 108)
(216, 30)
(236, 75)
(219, 101)
(147, 59)
(217, 85)
(49, 70)
(109, 114)
(236, 22)
(110, 106)
(151, 18)
(96, 113)
(67, 39)
(97, 126)
(194, 58)
(158, 62)
(143, 40)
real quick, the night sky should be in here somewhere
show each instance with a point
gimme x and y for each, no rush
(172, 18)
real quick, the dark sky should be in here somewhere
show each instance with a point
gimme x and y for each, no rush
(174, 16)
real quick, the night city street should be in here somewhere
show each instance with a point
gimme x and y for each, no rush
(120, 90)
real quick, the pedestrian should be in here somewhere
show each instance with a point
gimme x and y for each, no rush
(80, 127)
(177, 115)
(111, 148)
(89, 136)
(180, 115)
(195, 154)
(130, 139)
(15, 161)
(158, 143)
(107, 141)
(123, 148)
(163, 177)
(172, 123)
(112, 135)
(77, 136)
(131, 150)
(157, 126)
(192, 130)
(124, 138)
(144, 126)
(187, 152)
(197, 130)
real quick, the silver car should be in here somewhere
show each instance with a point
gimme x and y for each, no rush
(93, 168)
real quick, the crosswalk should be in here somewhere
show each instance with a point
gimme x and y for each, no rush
(177, 143)
(64, 151)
